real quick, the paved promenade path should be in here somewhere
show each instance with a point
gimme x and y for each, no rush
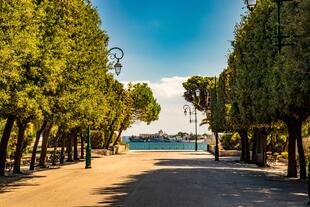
(155, 179)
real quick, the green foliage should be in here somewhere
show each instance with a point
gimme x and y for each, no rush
(205, 85)
(306, 128)
(145, 107)
(53, 67)
(97, 140)
(30, 135)
(267, 85)
(284, 155)
(277, 138)
(19, 91)
(291, 78)
(231, 141)
(276, 143)
(182, 134)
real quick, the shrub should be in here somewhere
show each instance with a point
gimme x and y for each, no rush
(97, 140)
(276, 142)
(231, 141)
(284, 155)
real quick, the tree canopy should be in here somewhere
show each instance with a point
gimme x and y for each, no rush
(54, 73)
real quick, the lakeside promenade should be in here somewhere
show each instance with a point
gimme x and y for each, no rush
(155, 179)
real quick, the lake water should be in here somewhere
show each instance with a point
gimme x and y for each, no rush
(166, 145)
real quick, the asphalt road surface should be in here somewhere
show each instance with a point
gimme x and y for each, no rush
(154, 179)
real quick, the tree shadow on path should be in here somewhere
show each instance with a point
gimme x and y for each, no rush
(205, 183)
(12, 182)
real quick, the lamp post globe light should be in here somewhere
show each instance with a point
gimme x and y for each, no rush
(117, 55)
(118, 68)
(197, 92)
(251, 4)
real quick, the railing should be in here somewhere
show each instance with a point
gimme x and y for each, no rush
(202, 146)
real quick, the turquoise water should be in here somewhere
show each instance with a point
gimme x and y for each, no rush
(166, 146)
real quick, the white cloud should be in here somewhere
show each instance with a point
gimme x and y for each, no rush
(169, 93)
(167, 88)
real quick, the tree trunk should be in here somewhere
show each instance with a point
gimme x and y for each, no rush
(35, 146)
(301, 153)
(82, 146)
(118, 136)
(19, 147)
(109, 139)
(46, 134)
(4, 142)
(106, 138)
(245, 146)
(75, 145)
(291, 170)
(111, 133)
(62, 152)
(285, 148)
(254, 145)
(247, 151)
(58, 136)
(242, 158)
(260, 157)
(69, 147)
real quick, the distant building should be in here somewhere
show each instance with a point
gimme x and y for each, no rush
(159, 134)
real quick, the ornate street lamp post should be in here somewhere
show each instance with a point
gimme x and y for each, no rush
(216, 150)
(117, 54)
(251, 5)
(88, 150)
(193, 111)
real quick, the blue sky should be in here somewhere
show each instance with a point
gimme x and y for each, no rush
(166, 41)
(163, 38)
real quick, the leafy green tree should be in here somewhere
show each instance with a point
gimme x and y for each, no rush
(127, 115)
(253, 70)
(19, 92)
(205, 85)
(266, 85)
(53, 69)
(145, 107)
(182, 134)
(291, 78)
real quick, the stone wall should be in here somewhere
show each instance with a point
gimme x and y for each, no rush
(224, 153)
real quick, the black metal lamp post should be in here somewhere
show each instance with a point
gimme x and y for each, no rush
(117, 55)
(88, 150)
(251, 5)
(280, 36)
(193, 111)
(216, 150)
